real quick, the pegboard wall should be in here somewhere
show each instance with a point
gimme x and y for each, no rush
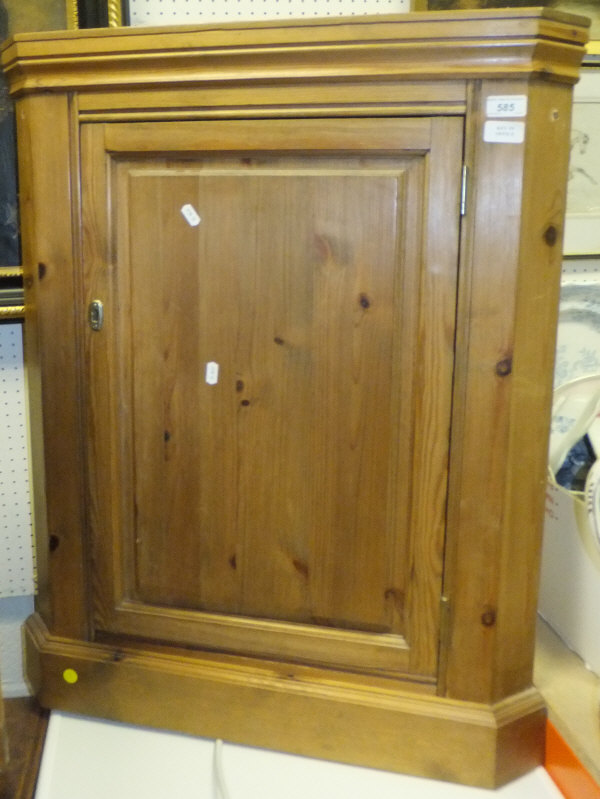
(16, 546)
(177, 12)
(581, 270)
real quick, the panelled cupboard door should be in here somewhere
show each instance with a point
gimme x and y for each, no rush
(268, 395)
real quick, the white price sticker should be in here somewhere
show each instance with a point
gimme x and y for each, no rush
(212, 373)
(506, 105)
(190, 215)
(501, 132)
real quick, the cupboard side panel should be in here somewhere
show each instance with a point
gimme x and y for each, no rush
(52, 312)
(481, 418)
(500, 404)
(538, 289)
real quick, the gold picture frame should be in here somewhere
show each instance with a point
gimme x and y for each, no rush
(95, 13)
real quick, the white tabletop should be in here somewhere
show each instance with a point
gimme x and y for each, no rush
(91, 759)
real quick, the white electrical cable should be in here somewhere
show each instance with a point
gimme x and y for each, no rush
(221, 785)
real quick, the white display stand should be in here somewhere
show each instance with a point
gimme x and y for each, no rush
(95, 759)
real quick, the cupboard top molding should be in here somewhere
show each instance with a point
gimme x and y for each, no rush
(495, 43)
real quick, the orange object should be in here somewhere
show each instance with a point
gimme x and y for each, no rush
(565, 768)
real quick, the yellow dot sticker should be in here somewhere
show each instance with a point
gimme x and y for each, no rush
(70, 676)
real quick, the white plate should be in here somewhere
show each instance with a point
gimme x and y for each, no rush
(575, 406)
(578, 344)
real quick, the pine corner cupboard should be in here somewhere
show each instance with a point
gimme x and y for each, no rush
(291, 298)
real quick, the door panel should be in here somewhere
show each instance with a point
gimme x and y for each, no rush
(269, 396)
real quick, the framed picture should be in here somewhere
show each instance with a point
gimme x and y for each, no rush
(97, 13)
(16, 16)
(584, 8)
(582, 225)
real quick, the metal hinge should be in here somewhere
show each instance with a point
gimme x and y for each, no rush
(463, 190)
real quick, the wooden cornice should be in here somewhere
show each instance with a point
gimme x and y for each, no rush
(429, 45)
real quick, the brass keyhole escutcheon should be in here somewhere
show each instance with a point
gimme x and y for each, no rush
(96, 314)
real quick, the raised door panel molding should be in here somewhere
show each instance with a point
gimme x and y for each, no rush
(308, 486)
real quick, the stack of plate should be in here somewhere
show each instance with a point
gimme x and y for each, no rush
(574, 456)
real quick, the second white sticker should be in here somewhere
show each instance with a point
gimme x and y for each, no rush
(211, 374)
(504, 132)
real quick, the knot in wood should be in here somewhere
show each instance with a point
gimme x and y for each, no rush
(551, 235)
(504, 367)
(488, 617)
